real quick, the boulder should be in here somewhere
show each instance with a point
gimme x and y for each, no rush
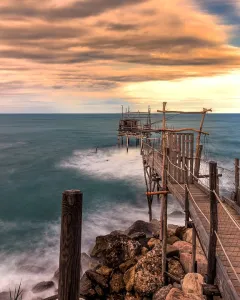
(176, 294)
(183, 247)
(186, 261)
(148, 277)
(192, 285)
(127, 264)
(172, 239)
(172, 251)
(104, 270)
(42, 286)
(97, 278)
(142, 226)
(171, 230)
(144, 251)
(129, 278)
(114, 249)
(153, 242)
(187, 237)
(175, 268)
(86, 287)
(138, 235)
(130, 296)
(162, 293)
(116, 283)
(99, 290)
(180, 231)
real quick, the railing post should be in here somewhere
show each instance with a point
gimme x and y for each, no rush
(70, 246)
(237, 193)
(194, 247)
(211, 272)
(186, 206)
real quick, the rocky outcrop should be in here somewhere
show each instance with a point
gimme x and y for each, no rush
(192, 285)
(162, 293)
(42, 286)
(186, 261)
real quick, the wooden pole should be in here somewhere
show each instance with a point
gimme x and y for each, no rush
(211, 272)
(163, 171)
(198, 160)
(186, 206)
(194, 245)
(237, 194)
(70, 246)
(127, 143)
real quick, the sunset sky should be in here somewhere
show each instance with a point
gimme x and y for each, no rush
(64, 56)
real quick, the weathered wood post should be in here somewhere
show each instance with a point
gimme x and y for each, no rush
(186, 204)
(194, 245)
(198, 160)
(70, 246)
(237, 193)
(211, 272)
(127, 142)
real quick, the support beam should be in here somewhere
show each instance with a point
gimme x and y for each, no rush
(157, 193)
(194, 247)
(237, 192)
(70, 246)
(211, 271)
(186, 206)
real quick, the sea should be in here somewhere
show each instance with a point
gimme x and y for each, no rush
(43, 155)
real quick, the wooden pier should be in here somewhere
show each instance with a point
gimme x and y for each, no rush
(172, 165)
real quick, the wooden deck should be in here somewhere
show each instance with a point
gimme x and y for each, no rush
(228, 231)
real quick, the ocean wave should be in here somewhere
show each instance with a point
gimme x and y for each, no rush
(107, 164)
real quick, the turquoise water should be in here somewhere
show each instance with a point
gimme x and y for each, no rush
(42, 155)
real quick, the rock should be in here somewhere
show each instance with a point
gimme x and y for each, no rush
(176, 294)
(153, 242)
(113, 250)
(144, 251)
(86, 287)
(175, 268)
(148, 277)
(172, 251)
(42, 286)
(115, 297)
(104, 270)
(172, 230)
(183, 246)
(192, 285)
(161, 294)
(172, 239)
(130, 296)
(134, 249)
(138, 235)
(187, 237)
(99, 290)
(99, 279)
(180, 232)
(129, 279)
(141, 226)
(126, 265)
(4, 296)
(186, 261)
(116, 283)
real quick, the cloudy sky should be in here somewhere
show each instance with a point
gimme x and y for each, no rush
(94, 55)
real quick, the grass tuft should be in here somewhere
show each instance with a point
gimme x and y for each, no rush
(17, 295)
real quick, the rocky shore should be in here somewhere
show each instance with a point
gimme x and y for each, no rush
(126, 265)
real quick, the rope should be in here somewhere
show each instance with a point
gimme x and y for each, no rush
(229, 214)
(227, 256)
(197, 178)
(175, 180)
(197, 205)
(174, 164)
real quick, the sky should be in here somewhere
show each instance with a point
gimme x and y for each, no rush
(92, 56)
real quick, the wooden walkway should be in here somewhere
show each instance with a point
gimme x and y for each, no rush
(228, 246)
